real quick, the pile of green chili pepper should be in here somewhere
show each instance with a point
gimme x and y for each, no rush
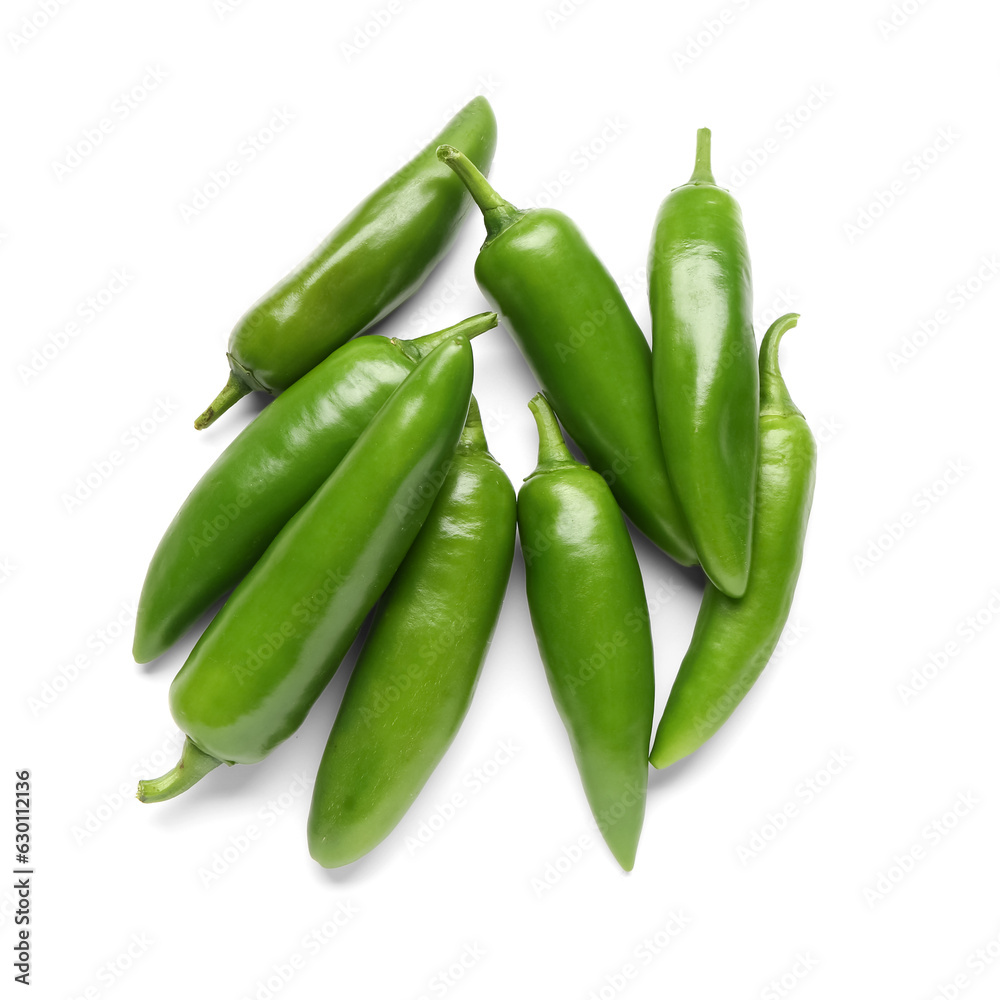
(367, 486)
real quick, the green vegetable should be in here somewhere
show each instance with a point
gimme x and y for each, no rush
(573, 325)
(267, 655)
(413, 683)
(268, 472)
(734, 638)
(588, 609)
(705, 368)
(373, 261)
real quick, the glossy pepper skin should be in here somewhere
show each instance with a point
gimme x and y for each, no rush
(573, 325)
(277, 641)
(374, 260)
(705, 368)
(268, 472)
(734, 638)
(414, 680)
(588, 608)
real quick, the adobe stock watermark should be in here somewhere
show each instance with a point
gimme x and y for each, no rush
(658, 596)
(32, 25)
(249, 148)
(486, 86)
(982, 959)
(708, 33)
(311, 945)
(427, 317)
(412, 667)
(727, 700)
(123, 106)
(937, 661)
(898, 17)
(804, 794)
(7, 569)
(791, 635)
(447, 978)
(560, 13)
(237, 845)
(577, 336)
(422, 492)
(581, 159)
(930, 838)
(606, 651)
(913, 169)
(366, 32)
(396, 688)
(226, 514)
(650, 948)
(303, 612)
(93, 646)
(634, 623)
(784, 300)
(922, 503)
(471, 784)
(110, 973)
(86, 312)
(785, 128)
(569, 855)
(130, 441)
(781, 986)
(493, 418)
(634, 283)
(954, 301)
(561, 864)
(226, 8)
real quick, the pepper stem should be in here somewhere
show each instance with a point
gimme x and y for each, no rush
(189, 770)
(703, 158)
(774, 396)
(469, 328)
(498, 214)
(234, 390)
(473, 437)
(552, 450)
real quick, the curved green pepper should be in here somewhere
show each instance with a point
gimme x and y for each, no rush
(414, 680)
(374, 260)
(588, 608)
(705, 368)
(573, 325)
(268, 472)
(734, 638)
(270, 651)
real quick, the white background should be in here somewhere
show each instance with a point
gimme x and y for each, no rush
(596, 116)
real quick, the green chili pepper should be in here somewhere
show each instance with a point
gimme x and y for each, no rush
(734, 638)
(414, 680)
(271, 650)
(588, 608)
(268, 472)
(375, 259)
(584, 346)
(705, 368)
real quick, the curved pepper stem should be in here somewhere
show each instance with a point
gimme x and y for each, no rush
(189, 770)
(702, 173)
(420, 347)
(233, 391)
(498, 214)
(552, 450)
(774, 396)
